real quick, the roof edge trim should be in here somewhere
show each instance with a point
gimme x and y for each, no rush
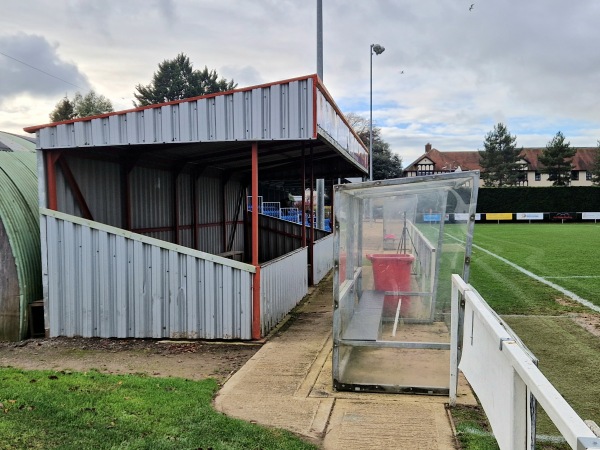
(35, 128)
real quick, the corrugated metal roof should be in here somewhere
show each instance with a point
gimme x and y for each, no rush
(281, 110)
(217, 129)
(14, 143)
(20, 216)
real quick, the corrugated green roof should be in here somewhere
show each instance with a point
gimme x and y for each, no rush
(14, 143)
(19, 214)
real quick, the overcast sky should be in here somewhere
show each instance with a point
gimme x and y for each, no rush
(448, 74)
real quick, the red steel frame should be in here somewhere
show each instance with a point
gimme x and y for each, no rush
(51, 158)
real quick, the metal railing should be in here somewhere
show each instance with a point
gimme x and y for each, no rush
(425, 259)
(503, 375)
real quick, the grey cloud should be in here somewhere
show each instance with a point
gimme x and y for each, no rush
(54, 77)
(167, 9)
(105, 18)
(243, 76)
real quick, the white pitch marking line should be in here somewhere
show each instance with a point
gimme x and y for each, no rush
(568, 293)
(575, 276)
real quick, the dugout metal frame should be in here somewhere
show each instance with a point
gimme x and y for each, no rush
(396, 337)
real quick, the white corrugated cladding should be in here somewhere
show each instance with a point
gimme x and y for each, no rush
(271, 112)
(185, 213)
(99, 182)
(210, 211)
(322, 258)
(235, 191)
(283, 283)
(106, 282)
(105, 202)
(152, 199)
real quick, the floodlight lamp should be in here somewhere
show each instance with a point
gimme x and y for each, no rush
(378, 49)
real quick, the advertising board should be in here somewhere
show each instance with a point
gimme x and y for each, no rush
(530, 216)
(498, 216)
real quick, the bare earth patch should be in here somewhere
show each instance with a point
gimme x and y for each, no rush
(193, 360)
(567, 302)
(590, 322)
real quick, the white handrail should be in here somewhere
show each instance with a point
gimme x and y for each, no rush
(575, 431)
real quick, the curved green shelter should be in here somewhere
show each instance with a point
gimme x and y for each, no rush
(20, 260)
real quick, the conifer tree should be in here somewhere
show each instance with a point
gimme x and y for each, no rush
(500, 166)
(556, 160)
(176, 79)
(596, 167)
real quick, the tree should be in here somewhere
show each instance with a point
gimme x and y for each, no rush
(91, 104)
(596, 167)
(176, 79)
(556, 159)
(386, 164)
(87, 105)
(63, 111)
(499, 161)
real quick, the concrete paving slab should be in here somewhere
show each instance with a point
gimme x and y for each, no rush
(288, 384)
(384, 424)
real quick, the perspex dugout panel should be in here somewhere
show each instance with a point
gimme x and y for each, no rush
(397, 243)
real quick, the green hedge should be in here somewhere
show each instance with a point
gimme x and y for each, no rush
(539, 199)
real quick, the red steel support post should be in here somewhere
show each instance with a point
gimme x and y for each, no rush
(51, 158)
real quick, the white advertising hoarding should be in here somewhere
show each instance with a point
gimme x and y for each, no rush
(464, 217)
(530, 216)
(590, 216)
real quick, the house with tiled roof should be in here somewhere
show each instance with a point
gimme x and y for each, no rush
(434, 161)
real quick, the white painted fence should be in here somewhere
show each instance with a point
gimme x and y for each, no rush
(503, 375)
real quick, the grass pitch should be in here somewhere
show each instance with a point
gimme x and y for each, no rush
(569, 356)
(565, 254)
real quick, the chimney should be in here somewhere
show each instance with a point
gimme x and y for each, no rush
(427, 147)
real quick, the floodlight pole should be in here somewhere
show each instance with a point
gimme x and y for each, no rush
(320, 187)
(320, 39)
(378, 49)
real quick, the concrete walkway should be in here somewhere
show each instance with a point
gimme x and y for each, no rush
(288, 384)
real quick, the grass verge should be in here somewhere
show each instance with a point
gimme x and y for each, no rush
(71, 410)
(472, 428)
(474, 433)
